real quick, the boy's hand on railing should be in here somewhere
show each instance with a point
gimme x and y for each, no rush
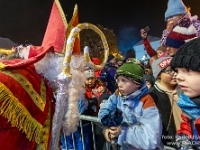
(106, 133)
(115, 131)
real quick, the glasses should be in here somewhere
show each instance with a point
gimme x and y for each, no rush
(171, 72)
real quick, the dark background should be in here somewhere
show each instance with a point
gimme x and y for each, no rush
(22, 20)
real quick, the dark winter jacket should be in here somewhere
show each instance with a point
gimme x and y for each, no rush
(111, 70)
(164, 106)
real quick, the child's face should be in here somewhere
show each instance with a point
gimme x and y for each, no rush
(90, 81)
(159, 53)
(126, 86)
(148, 71)
(171, 51)
(119, 63)
(113, 61)
(170, 25)
(189, 82)
(100, 105)
(148, 84)
(168, 77)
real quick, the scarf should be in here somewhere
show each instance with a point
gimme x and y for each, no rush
(188, 106)
(173, 97)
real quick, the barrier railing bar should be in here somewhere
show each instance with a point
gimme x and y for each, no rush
(89, 118)
(73, 139)
(82, 134)
(65, 141)
(93, 136)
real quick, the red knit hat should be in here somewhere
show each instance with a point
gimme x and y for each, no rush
(96, 61)
(181, 34)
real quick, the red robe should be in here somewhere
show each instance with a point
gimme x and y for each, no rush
(25, 110)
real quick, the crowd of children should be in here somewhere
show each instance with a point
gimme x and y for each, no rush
(174, 89)
(151, 106)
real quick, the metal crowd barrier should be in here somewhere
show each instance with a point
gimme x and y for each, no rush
(92, 120)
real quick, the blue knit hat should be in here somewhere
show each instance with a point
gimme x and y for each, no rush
(175, 7)
(110, 57)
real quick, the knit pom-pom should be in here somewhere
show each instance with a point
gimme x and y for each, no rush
(185, 22)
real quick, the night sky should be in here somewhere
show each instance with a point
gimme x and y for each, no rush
(23, 20)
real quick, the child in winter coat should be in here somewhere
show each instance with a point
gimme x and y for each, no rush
(101, 142)
(110, 68)
(94, 89)
(186, 63)
(165, 95)
(141, 126)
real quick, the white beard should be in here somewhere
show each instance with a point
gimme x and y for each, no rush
(49, 67)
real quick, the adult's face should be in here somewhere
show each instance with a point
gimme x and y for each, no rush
(171, 51)
(175, 19)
